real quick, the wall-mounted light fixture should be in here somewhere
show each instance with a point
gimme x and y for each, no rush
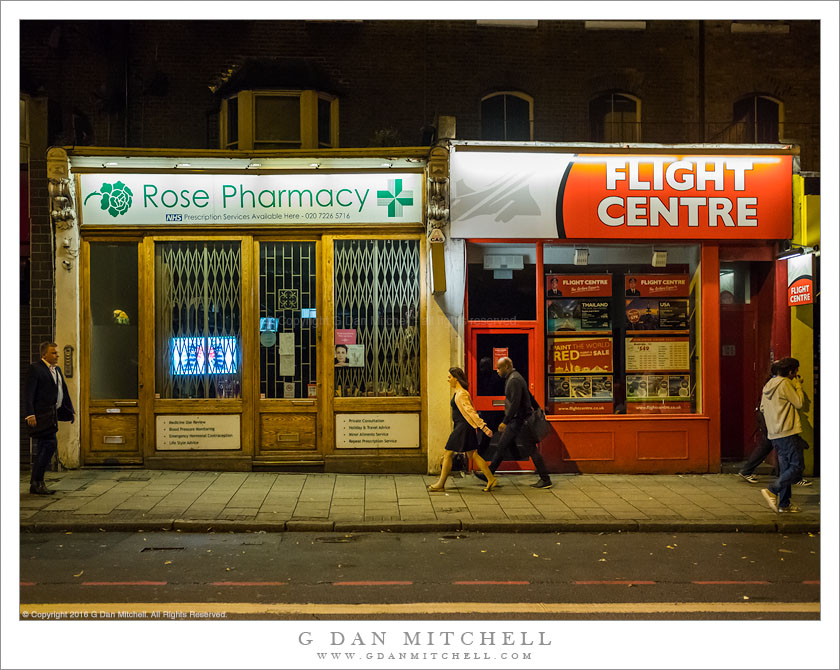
(659, 259)
(253, 165)
(110, 164)
(315, 165)
(788, 249)
(183, 165)
(582, 256)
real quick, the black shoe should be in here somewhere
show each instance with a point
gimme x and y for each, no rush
(40, 489)
(542, 484)
(480, 475)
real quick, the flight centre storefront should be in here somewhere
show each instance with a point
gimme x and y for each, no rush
(236, 312)
(612, 278)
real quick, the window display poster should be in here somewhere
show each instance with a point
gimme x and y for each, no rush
(656, 286)
(582, 286)
(578, 354)
(349, 355)
(654, 314)
(648, 354)
(641, 388)
(563, 388)
(573, 315)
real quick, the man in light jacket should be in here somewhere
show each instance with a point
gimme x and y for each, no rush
(781, 400)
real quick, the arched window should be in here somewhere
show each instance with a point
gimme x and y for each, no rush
(615, 117)
(507, 115)
(757, 120)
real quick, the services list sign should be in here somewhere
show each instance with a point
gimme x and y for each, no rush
(248, 199)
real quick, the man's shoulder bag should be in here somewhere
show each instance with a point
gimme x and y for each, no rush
(536, 421)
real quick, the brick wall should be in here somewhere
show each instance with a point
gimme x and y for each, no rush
(401, 74)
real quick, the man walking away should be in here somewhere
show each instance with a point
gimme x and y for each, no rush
(517, 410)
(782, 397)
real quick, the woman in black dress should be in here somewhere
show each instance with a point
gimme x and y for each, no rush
(463, 438)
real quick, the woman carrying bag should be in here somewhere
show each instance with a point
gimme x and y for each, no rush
(463, 437)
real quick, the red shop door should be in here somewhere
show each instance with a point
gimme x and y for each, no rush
(739, 383)
(486, 346)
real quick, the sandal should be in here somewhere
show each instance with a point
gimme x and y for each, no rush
(491, 485)
(435, 489)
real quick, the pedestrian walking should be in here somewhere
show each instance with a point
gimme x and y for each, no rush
(463, 438)
(47, 402)
(782, 397)
(512, 428)
(764, 447)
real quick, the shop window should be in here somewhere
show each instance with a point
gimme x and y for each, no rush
(501, 282)
(198, 319)
(620, 333)
(377, 317)
(756, 120)
(507, 116)
(615, 117)
(288, 319)
(113, 320)
(279, 120)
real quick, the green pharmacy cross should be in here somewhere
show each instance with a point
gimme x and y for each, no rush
(395, 198)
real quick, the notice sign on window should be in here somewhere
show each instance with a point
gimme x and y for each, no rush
(198, 432)
(377, 431)
(497, 354)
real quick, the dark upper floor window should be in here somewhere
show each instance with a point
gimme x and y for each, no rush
(279, 119)
(756, 120)
(507, 115)
(615, 117)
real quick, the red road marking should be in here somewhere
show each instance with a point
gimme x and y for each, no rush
(372, 583)
(732, 582)
(617, 582)
(27, 583)
(812, 581)
(477, 582)
(123, 583)
(248, 583)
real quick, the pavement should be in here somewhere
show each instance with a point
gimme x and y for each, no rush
(134, 500)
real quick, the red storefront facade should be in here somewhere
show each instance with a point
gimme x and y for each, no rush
(637, 290)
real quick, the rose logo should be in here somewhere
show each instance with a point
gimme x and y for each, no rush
(116, 198)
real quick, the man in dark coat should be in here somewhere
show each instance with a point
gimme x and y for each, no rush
(47, 401)
(517, 410)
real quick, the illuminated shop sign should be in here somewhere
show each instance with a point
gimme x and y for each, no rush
(248, 199)
(553, 195)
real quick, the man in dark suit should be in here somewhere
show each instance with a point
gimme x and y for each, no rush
(47, 401)
(517, 410)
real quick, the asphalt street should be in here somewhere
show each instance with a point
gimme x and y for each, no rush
(458, 575)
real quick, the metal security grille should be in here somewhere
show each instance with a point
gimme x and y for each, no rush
(377, 294)
(287, 307)
(198, 329)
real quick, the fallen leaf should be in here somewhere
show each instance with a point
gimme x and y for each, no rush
(602, 560)
(101, 530)
(167, 562)
(80, 574)
(669, 547)
(484, 551)
(69, 532)
(723, 544)
(786, 551)
(746, 597)
(535, 555)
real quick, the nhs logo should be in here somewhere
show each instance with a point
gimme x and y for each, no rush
(174, 217)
